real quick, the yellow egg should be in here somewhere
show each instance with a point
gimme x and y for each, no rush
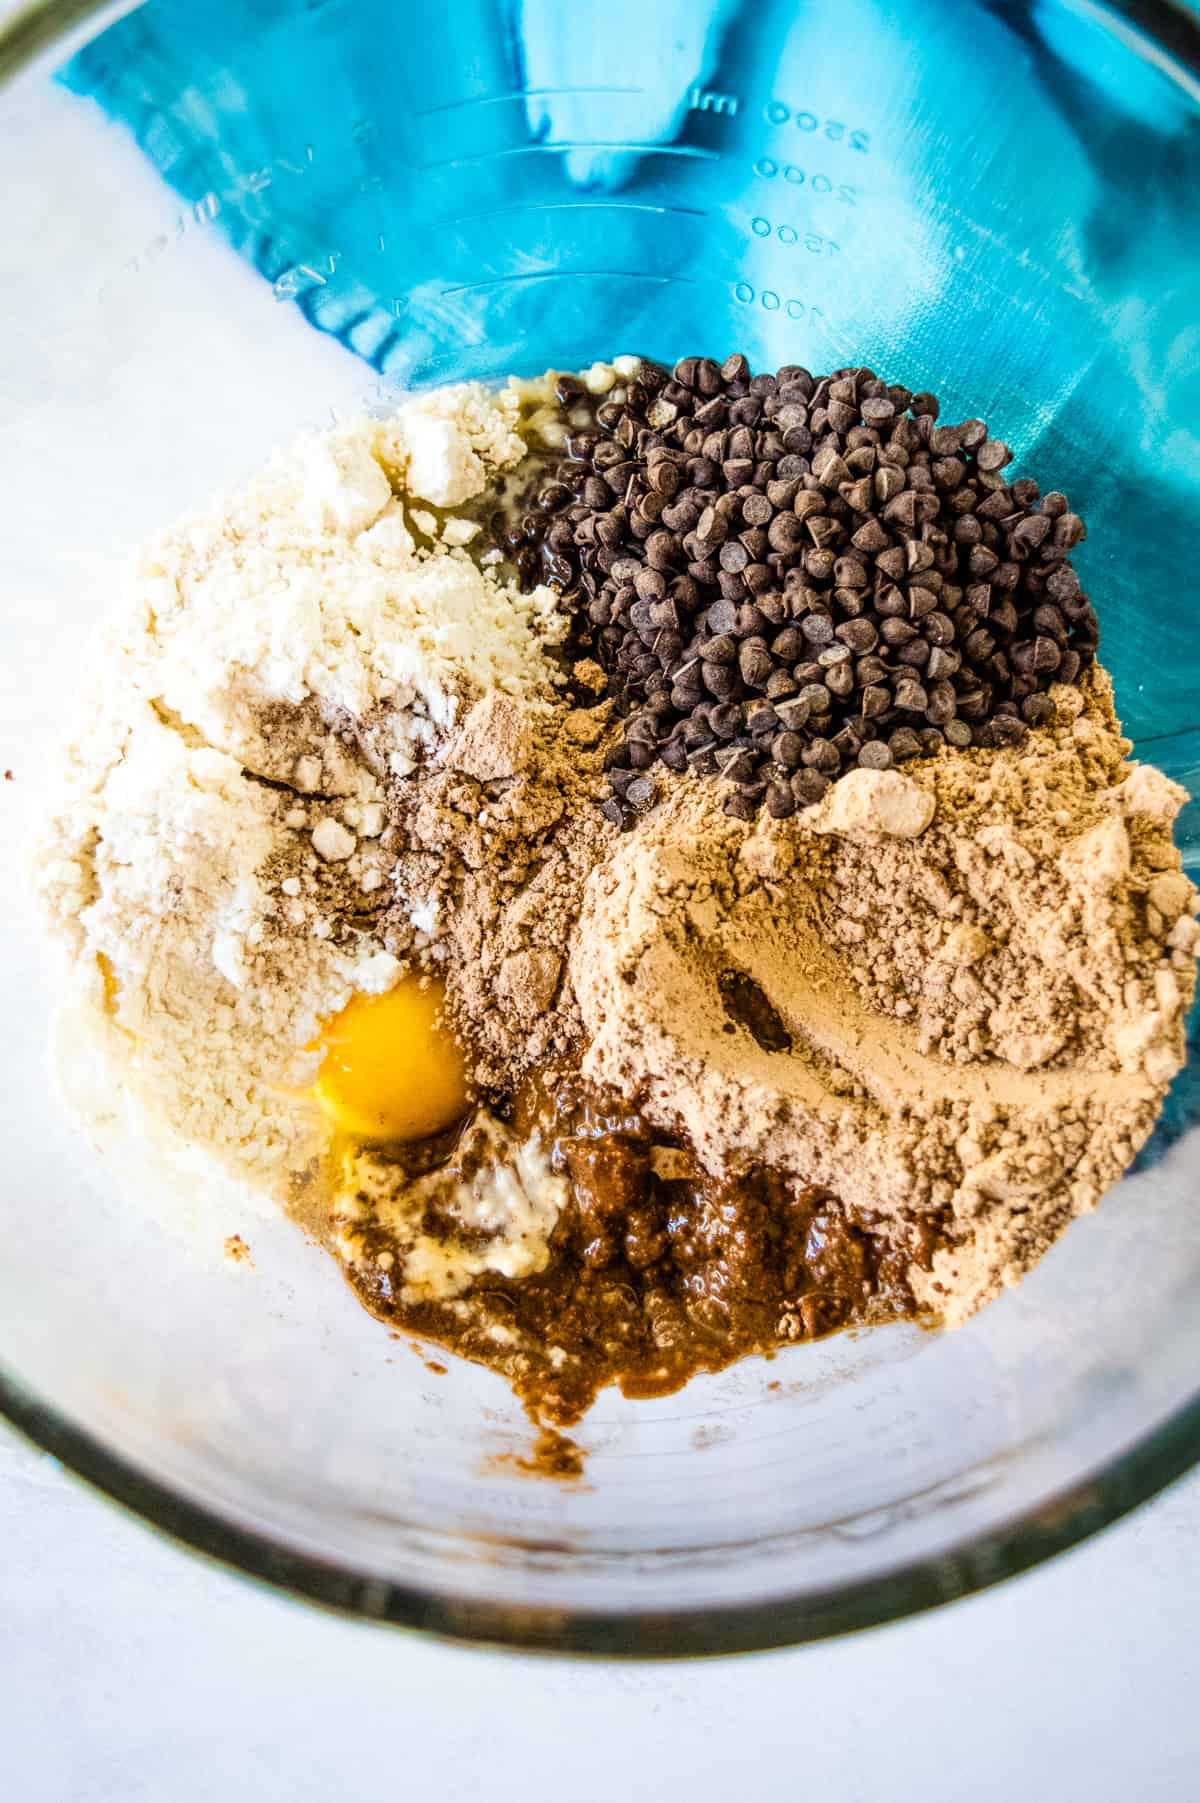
(392, 1069)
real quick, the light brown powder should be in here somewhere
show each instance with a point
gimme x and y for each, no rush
(984, 1011)
(501, 840)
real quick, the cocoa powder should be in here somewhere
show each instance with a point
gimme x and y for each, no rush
(501, 840)
(982, 997)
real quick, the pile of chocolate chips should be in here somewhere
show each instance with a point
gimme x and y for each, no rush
(787, 575)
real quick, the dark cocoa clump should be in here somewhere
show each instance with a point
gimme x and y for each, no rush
(787, 575)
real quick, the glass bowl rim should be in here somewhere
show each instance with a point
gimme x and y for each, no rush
(973, 1563)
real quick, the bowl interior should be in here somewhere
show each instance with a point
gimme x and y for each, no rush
(224, 230)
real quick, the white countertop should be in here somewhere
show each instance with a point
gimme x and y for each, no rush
(134, 1672)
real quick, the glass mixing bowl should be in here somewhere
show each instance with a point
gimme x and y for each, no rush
(222, 223)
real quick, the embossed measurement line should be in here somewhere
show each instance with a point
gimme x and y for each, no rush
(454, 106)
(565, 275)
(523, 150)
(570, 206)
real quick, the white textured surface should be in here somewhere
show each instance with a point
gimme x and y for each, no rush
(133, 1672)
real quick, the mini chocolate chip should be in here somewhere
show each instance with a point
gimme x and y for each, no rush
(1007, 729)
(787, 748)
(641, 793)
(781, 803)
(755, 662)
(720, 650)
(942, 703)
(708, 378)
(786, 533)
(1047, 618)
(904, 744)
(808, 786)
(993, 454)
(1047, 656)
(911, 696)
(725, 719)
(719, 679)
(1037, 709)
(944, 441)
(750, 622)
(1029, 532)
(859, 635)
(821, 754)
(875, 755)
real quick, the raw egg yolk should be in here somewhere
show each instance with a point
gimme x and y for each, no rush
(392, 1069)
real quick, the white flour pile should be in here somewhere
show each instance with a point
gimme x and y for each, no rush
(323, 628)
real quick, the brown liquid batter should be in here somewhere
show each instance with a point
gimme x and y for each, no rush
(657, 1270)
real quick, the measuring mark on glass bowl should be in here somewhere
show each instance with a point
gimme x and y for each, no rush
(566, 275)
(835, 131)
(570, 206)
(524, 150)
(774, 302)
(817, 244)
(848, 193)
(454, 106)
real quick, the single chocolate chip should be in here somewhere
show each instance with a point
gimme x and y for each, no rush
(1037, 709)
(641, 793)
(719, 679)
(1007, 729)
(860, 635)
(755, 662)
(875, 755)
(726, 720)
(808, 786)
(993, 454)
(708, 379)
(911, 696)
(786, 533)
(903, 744)
(821, 754)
